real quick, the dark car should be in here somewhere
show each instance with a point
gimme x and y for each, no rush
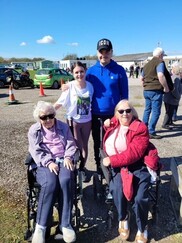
(10, 75)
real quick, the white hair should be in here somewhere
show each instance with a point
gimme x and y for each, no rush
(158, 51)
(176, 68)
(175, 64)
(43, 106)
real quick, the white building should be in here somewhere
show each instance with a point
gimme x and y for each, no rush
(142, 58)
(68, 64)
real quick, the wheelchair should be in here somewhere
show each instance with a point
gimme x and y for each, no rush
(32, 195)
(101, 191)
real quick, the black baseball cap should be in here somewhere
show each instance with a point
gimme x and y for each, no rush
(104, 44)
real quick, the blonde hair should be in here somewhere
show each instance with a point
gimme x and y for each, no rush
(125, 101)
(176, 69)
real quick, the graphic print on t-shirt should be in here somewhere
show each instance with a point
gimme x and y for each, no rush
(83, 105)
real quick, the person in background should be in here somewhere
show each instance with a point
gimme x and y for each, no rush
(172, 98)
(137, 70)
(155, 79)
(52, 147)
(125, 143)
(131, 71)
(77, 101)
(175, 117)
(9, 75)
(110, 85)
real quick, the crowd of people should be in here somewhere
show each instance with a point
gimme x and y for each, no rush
(98, 100)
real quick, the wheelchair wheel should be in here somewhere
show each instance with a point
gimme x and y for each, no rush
(77, 219)
(153, 201)
(97, 187)
(28, 235)
(80, 185)
(110, 219)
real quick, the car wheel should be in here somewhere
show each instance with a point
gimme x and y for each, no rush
(16, 85)
(55, 85)
(31, 84)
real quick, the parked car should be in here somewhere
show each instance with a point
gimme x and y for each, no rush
(51, 77)
(10, 75)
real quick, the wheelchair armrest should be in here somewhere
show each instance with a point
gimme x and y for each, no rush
(106, 170)
(76, 156)
(103, 154)
(29, 160)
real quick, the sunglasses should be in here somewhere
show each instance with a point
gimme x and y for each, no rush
(44, 118)
(122, 111)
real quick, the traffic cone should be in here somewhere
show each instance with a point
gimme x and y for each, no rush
(12, 99)
(41, 90)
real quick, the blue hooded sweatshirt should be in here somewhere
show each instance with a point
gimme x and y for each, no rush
(110, 84)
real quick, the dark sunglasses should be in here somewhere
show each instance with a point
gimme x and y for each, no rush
(122, 111)
(50, 116)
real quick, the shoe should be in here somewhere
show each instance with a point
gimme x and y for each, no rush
(142, 237)
(39, 235)
(68, 234)
(168, 127)
(124, 228)
(58, 234)
(154, 136)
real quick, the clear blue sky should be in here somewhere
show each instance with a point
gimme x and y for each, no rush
(54, 28)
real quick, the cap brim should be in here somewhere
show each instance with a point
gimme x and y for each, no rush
(104, 48)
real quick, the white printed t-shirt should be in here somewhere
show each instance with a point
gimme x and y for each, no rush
(77, 102)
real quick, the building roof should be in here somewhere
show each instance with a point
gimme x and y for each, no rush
(132, 57)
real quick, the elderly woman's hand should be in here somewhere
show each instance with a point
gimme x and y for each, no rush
(53, 167)
(68, 164)
(107, 123)
(106, 161)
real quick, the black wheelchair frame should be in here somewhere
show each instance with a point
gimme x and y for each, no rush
(32, 194)
(102, 191)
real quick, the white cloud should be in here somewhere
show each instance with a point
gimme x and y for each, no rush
(23, 44)
(46, 40)
(73, 44)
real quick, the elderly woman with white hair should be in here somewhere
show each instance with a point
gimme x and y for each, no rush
(52, 147)
(171, 99)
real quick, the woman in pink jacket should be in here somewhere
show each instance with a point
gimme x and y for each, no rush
(126, 142)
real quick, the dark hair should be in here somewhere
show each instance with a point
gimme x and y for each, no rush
(78, 64)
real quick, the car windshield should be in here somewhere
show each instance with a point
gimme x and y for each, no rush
(43, 72)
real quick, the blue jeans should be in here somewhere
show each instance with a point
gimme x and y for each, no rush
(55, 187)
(153, 104)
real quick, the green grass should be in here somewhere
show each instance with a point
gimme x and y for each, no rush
(12, 219)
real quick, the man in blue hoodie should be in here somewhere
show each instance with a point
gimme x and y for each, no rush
(110, 84)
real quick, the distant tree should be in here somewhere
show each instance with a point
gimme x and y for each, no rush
(1, 60)
(89, 57)
(70, 57)
(23, 59)
(38, 59)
